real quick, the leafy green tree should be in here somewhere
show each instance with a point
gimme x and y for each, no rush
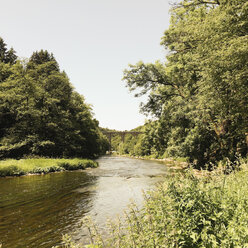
(7, 59)
(199, 96)
(6, 56)
(48, 118)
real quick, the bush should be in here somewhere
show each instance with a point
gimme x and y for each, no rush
(11, 170)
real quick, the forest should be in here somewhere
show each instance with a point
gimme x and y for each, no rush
(40, 112)
(198, 97)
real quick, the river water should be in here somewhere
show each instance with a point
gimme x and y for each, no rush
(36, 210)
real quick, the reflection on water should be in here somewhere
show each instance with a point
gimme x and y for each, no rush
(36, 210)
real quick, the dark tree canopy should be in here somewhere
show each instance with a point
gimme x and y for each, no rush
(6, 56)
(41, 114)
(43, 57)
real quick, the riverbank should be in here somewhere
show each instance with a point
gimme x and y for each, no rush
(185, 211)
(176, 165)
(172, 163)
(13, 167)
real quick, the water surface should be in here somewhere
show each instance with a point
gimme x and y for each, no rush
(36, 210)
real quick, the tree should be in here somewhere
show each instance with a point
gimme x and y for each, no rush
(48, 118)
(200, 93)
(6, 56)
(7, 59)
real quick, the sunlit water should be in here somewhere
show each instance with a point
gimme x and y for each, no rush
(36, 210)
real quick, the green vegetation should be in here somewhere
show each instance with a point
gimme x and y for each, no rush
(130, 140)
(198, 97)
(199, 102)
(40, 112)
(12, 167)
(185, 211)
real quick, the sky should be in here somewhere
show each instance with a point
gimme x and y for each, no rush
(93, 42)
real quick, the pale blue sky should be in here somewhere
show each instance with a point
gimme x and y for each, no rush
(93, 41)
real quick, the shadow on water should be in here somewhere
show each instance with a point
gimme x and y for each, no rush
(36, 210)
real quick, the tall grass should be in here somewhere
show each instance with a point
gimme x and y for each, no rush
(185, 211)
(12, 167)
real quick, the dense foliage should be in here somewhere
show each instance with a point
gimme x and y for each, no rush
(40, 113)
(199, 96)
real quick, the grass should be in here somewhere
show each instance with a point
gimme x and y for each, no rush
(12, 167)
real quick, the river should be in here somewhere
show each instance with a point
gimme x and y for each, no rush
(36, 210)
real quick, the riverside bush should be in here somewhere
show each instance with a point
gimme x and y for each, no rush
(185, 211)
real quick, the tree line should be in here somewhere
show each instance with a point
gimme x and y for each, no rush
(198, 98)
(40, 112)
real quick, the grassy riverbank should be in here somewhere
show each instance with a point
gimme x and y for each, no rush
(172, 163)
(185, 211)
(12, 167)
